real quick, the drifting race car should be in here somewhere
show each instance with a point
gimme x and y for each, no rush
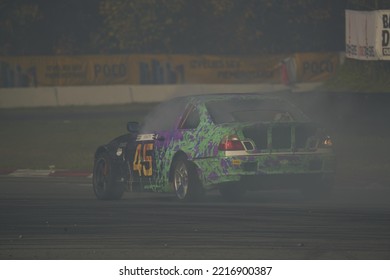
(233, 142)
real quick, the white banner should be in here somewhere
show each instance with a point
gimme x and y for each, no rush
(368, 34)
(383, 34)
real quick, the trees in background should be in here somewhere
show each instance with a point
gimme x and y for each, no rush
(35, 27)
(221, 26)
(42, 27)
(17, 20)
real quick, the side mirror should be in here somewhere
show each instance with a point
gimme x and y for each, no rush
(133, 127)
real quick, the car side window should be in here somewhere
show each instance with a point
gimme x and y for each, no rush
(191, 118)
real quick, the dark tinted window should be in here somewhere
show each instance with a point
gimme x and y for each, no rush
(191, 118)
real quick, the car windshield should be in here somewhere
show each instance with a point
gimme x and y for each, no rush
(253, 110)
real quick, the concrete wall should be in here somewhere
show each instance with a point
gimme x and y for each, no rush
(105, 95)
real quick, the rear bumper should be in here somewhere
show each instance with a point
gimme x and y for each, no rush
(213, 171)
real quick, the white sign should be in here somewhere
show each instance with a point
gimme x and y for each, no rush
(194, 269)
(368, 34)
(383, 33)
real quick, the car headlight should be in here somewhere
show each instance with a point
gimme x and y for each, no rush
(119, 152)
(327, 142)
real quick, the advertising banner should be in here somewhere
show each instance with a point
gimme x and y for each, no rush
(368, 35)
(63, 70)
(34, 71)
(315, 67)
(160, 69)
(383, 34)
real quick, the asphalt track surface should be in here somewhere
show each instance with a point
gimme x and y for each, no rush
(59, 218)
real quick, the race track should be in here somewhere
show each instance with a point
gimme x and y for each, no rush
(59, 218)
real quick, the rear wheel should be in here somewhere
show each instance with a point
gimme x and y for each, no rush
(185, 181)
(103, 180)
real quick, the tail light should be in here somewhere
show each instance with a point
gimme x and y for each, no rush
(231, 143)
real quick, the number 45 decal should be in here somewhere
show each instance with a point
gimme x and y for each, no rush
(143, 163)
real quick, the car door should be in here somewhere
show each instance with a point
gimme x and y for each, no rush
(150, 163)
(188, 125)
(142, 161)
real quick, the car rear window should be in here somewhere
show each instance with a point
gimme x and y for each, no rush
(253, 110)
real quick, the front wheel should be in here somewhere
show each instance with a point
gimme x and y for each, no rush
(103, 180)
(185, 181)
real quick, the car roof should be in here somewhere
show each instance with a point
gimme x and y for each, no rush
(278, 96)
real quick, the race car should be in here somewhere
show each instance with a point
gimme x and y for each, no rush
(232, 142)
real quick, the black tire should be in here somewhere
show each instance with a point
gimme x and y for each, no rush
(185, 181)
(232, 192)
(103, 180)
